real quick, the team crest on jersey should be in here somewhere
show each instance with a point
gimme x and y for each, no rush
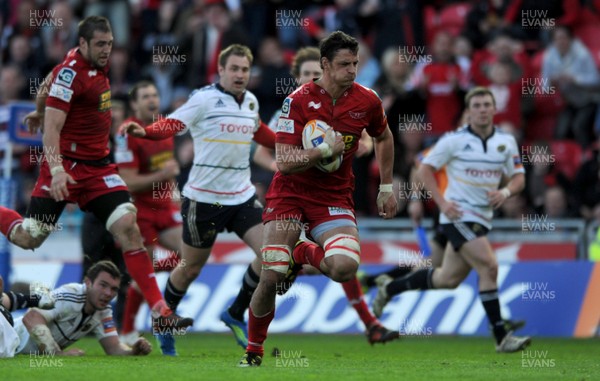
(314, 105)
(92, 73)
(220, 103)
(66, 76)
(285, 108)
(105, 102)
(251, 106)
(357, 115)
(501, 148)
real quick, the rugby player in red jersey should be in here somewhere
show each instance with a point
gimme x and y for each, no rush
(323, 201)
(77, 121)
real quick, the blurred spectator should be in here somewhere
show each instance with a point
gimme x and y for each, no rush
(275, 82)
(441, 82)
(569, 66)
(161, 37)
(122, 77)
(14, 85)
(344, 15)
(556, 204)
(502, 48)
(508, 99)
(167, 76)
(20, 54)
(117, 12)
(401, 102)
(484, 18)
(587, 186)
(368, 67)
(541, 174)
(399, 23)
(62, 37)
(203, 44)
(532, 20)
(463, 53)
(28, 21)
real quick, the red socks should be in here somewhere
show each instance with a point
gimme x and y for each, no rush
(8, 220)
(132, 305)
(140, 268)
(354, 294)
(257, 331)
(309, 254)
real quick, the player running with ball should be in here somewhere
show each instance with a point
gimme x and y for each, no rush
(304, 194)
(476, 157)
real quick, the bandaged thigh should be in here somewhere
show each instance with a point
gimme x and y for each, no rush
(343, 244)
(276, 258)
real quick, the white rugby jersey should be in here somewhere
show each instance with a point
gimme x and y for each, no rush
(222, 130)
(67, 321)
(474, 167)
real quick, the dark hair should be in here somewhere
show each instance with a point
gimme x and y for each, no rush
(91, 24)
(106, 266)
(564, 27)
(477, 92)
(133, 93)
(337, 40)
(235, 50)
(304, 55)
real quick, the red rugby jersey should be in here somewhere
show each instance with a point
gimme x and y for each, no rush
(83, 92)
(148, 156)
(357, 109)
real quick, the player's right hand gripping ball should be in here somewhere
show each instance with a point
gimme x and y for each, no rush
(313, 134)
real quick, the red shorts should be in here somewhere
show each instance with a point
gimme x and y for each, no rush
(313, 213)
(153, 221)
(92, 182)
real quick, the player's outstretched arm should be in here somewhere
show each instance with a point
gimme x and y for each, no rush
(387, 204)
(40, 333)
(159, 130)
(113, 347)
(35, 119)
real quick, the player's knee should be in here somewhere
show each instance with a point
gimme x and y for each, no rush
(491, 270)
(31, 234)
(275, 258)
(122, 218)
(342, 253)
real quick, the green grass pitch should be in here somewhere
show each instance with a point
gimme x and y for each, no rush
(323, 357)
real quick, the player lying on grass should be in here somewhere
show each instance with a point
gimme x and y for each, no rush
(79, 309)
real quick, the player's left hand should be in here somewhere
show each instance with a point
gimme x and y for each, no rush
(387, 206)
(34, 122)
(58, 186)
(496, 198)
(141, 347)
(133, 129)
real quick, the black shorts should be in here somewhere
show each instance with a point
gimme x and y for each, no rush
(460, 232)
(203, 222)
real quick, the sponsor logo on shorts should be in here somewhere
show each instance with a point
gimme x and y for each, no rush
(337, 211)
(113, 181)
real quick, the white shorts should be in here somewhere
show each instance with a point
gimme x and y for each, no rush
(9, 340)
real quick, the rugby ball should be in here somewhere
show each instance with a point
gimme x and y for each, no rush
(313, 135)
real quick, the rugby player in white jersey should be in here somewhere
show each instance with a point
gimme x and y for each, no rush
(223, 120)
(476, 156)
(79, 309)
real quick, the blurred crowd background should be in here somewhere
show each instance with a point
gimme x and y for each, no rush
(539, 58)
